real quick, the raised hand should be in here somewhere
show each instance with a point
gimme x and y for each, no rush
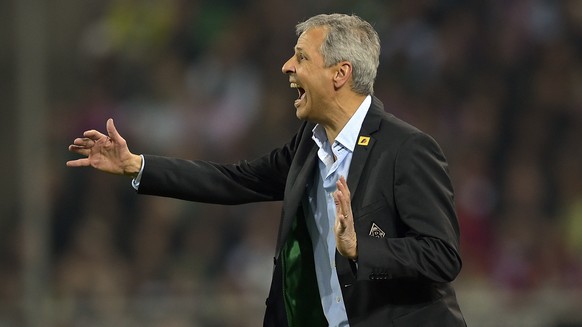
(108, 153)
(345, 233)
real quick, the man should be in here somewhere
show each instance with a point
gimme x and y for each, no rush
(368, 233)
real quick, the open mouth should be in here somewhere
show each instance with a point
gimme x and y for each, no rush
(300, 93)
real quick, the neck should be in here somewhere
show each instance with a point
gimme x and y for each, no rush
(343, 110)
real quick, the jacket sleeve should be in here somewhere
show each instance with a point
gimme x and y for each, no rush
(426, 242)
(261, 179)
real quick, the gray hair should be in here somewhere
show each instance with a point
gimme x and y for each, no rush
(352, 39)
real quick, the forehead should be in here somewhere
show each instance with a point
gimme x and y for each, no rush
(311, 39)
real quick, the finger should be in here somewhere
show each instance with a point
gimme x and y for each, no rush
(78, 163)
(340, 213)
(338, 204)
(80, 150)
(338, 209)
(346, 218)
(345, 199)
(83, 142)
(112, 131)
(94, 135)
(343, 186)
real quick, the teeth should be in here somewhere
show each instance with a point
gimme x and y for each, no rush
(294, 86)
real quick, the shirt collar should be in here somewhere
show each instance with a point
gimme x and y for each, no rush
(349, 134)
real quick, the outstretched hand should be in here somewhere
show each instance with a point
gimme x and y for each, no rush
(345, 233)
(108, 153)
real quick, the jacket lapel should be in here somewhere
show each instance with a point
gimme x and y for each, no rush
(299, 174)
(364, 144)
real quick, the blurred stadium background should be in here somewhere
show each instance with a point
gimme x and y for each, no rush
(497, 82)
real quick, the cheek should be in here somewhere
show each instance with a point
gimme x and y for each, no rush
(320, 92)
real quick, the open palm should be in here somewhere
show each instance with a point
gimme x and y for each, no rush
(108, 153)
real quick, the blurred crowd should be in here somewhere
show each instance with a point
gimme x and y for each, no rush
(498, 83)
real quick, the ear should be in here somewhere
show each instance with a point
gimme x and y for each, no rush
(342, 74)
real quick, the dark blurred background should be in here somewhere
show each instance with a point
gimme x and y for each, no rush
(498, 83)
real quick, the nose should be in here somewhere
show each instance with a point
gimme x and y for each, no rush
(288, 67)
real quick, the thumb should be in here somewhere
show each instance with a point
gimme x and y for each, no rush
(112, 131)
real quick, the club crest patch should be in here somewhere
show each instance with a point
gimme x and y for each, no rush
(376, 231)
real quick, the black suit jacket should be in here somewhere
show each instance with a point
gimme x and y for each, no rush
(399, 184)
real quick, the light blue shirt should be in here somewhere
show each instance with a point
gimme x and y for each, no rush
(320, 205)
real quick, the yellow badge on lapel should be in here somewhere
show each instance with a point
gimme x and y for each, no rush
(364, 140)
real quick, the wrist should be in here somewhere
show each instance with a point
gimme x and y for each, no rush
(133, 166)
(354, 254)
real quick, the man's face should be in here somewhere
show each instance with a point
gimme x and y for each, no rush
(308, 74)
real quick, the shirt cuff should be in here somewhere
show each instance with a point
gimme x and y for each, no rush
(135, 181)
